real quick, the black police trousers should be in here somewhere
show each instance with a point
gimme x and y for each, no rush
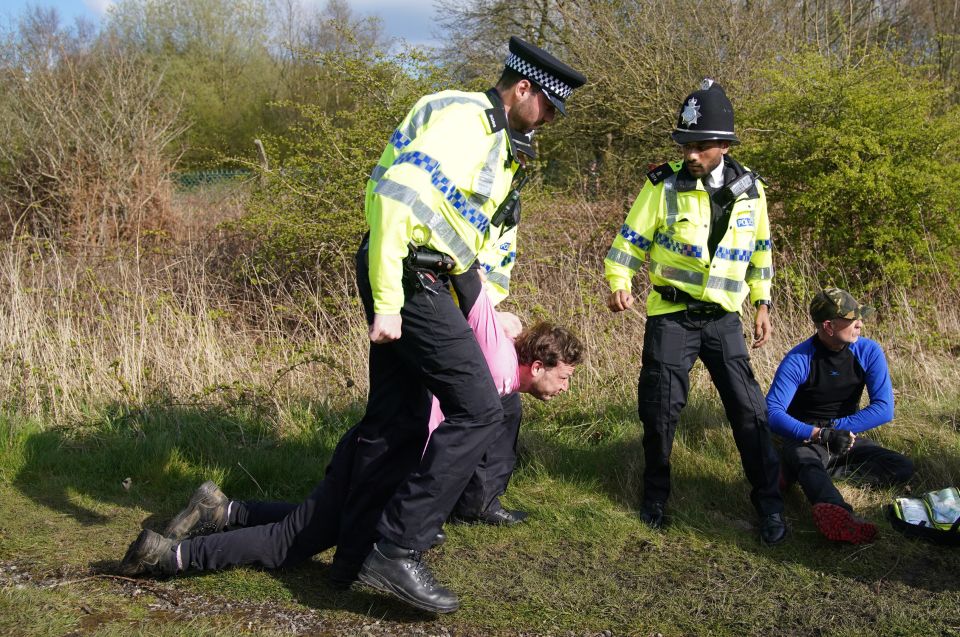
(814, 467)
(671, 345)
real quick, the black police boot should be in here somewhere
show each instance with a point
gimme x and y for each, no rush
(773, 529)
(206, 513)
(401, 573)
(150, 554)
(651, 514)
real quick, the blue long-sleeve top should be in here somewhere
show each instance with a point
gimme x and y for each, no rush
(814, 384)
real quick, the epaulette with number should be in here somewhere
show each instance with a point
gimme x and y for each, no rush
(496, 119)
(660, 173)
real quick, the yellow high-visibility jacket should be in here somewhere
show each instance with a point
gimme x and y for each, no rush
(670, 223)
(446, 169)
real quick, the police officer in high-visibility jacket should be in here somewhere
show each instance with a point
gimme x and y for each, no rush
(442, 193)
(702, 224)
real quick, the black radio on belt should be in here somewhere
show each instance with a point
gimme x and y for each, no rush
(420, 258)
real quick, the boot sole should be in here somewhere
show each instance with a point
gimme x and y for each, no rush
(839, 525)
(375, 581)
(179, 528)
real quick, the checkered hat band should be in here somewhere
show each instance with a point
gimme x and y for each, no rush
(539, 76)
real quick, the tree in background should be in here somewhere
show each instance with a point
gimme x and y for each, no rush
(215, 58)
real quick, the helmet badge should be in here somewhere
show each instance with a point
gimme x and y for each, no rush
(691, 112)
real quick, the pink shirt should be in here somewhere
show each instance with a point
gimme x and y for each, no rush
(497, 349)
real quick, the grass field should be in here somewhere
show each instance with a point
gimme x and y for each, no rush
(151, 369)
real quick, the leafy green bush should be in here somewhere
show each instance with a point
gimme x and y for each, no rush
(863, 162)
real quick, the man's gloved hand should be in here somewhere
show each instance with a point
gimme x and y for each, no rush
(837, 441)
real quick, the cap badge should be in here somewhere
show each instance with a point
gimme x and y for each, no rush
(691, 112)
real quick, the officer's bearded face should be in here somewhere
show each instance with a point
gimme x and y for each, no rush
(531, 110)
(703, 157)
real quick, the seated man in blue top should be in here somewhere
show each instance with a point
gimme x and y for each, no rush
(814, 404)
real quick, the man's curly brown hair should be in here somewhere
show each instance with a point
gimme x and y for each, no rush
(549, 344)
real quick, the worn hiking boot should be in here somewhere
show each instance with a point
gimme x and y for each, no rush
(206, 513)
(839, 525)
(150, 554)
(401, 573)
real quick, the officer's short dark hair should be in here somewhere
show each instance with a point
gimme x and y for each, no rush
(508, 78)
(549, 344)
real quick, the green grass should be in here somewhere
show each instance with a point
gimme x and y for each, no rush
(584, 563)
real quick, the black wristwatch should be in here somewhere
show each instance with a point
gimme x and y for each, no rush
(768, 303)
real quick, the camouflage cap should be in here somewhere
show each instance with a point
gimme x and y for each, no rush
(831, 303)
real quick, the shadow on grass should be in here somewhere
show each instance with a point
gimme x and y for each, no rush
(711, 502)
(167, 451)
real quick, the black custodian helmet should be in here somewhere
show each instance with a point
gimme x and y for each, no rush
(705, 115)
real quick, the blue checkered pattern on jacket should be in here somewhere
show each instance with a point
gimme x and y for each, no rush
(733, 254)
(762, 245)
(507, 260)
(685, 249)
(442, 183)
(635, 238)
(399, 140)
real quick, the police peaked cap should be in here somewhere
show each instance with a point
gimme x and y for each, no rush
(705, 115)
(553, 76)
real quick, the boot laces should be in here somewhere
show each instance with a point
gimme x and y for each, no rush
(421, 571)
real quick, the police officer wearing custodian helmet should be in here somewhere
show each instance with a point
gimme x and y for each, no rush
(703, 225)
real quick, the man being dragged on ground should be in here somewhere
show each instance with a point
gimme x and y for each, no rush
(279, 534)
(813, 404)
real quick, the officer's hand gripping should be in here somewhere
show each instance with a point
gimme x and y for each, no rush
(385, 328)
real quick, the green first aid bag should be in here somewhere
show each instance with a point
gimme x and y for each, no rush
(934, 516)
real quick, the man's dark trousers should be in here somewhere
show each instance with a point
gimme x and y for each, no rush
(814, 467)
(438, 349)
(492, 476)
(279, 534)
(671, 345)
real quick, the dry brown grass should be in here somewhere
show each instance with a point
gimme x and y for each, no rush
(132, 332)
(133, 328)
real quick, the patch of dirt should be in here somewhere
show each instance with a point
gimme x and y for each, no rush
(174, 605)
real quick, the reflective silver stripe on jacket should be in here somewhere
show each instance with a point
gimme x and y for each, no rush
(759, 274)
(728, 285)
(676, 274)
(423, 116)
(670, 196)
(377, 172)
(488, 174)
(437, 223)
(500, 279)
(623, 258)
